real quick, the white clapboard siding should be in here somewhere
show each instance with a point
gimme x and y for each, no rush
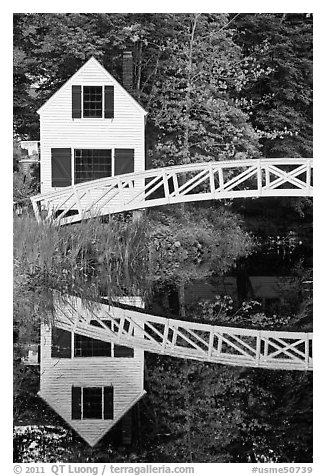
(59, 129)
(59, 375)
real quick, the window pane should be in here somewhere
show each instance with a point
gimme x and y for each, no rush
(88, 347)
(61, 343)
(92, 164)
(123, 351)
(92, 402)
(92, 101)
(108, 403)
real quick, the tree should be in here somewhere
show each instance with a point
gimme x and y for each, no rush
(192, 244)
(209, 413)
(48, 48)
(280, 100)
(193, 115)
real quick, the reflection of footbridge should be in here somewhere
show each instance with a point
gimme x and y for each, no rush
(170, 185)
(178, 184)
(188, 340)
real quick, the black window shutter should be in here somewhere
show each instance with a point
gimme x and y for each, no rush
(124, 161)
(61, 167)
(76, 102)
(108, 403)
(76, 403)
(61, 343)
(108, 102)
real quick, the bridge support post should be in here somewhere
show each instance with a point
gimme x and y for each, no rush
(308, 178)
(259, 177)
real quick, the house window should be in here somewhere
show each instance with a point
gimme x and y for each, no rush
(60, 343)
(92, 164)
(92, 403)
(122, 350)
(118, 351)
(88, 347)
(92, 101)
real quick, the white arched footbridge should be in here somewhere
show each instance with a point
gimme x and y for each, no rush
(177, 184)
(188, 340)
(170, 185)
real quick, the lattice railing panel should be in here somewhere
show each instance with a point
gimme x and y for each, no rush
(185, 183)
(226, 345)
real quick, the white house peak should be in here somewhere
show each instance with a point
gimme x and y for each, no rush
(90, 128)
(92, 61)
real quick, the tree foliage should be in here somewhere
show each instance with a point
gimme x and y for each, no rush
(189, 245)
(280, 102)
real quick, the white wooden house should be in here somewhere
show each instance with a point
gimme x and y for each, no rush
(90, 383)
(90, 128)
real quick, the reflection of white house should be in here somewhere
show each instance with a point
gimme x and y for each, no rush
(209, 289)
(268, 289)
(91, 128)
(91, 384)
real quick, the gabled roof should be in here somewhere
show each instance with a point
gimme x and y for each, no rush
(97, 431)
(93, 60)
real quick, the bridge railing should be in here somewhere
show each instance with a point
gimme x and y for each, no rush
(177, 184)
(190, 340)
